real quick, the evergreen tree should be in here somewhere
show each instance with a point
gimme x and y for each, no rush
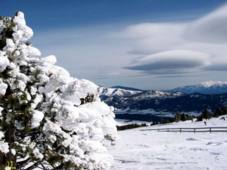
(206, 114)
(178, 117)
(183, 117)
(218, 112)
(48, 119)
(222, 110)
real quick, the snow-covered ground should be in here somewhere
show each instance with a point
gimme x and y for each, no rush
(137, 149)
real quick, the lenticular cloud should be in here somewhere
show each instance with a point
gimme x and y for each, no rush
(161, 44)
(170, 61)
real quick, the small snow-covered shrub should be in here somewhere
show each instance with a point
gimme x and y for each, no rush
(48, 119)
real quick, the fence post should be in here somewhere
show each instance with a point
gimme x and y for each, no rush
(210, 129)
(194, 130)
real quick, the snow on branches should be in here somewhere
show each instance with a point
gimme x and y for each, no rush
(48, 119)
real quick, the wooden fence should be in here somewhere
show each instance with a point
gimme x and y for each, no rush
(189, 129)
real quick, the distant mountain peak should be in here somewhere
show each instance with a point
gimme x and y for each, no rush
(213, 83)
(208, 87)
(157, 104)
(126, 88)
(118, 91)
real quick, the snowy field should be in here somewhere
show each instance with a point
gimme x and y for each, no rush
(137, 149)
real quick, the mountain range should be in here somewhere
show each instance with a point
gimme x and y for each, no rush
(150, 105)
(209, 87)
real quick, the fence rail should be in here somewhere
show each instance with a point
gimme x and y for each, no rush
(189, 129)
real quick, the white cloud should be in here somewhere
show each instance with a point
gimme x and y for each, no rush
(211, 28)
(217, 66)
(180, 47)
(189, 52)
(171, 62)
(155, 36)
(90, 53)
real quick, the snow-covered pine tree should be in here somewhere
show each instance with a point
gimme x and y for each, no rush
(48, 119)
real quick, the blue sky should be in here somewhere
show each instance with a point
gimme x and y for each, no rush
(49, 14)
(140, 43)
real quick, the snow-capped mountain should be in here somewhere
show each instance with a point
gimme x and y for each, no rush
(153, 104)
(149, 94)
(118, 91)
(209, 87)
(135, 93)
(126, 88)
